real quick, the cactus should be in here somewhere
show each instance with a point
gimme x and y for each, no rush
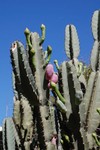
(54, 110)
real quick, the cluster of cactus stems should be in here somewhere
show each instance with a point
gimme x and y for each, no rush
(54, 110)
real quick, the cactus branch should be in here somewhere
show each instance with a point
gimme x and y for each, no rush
(27, 35)
(56, 64)
(55, 89)
(61, 106)
(49, 52)
(31, 50)
(96, 139)
(43, 28)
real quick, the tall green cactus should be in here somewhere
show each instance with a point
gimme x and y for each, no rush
(54, 110)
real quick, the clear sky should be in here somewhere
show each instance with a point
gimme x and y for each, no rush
(16, 15)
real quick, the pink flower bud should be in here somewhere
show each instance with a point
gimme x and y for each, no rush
(49, 71)
(54, 78)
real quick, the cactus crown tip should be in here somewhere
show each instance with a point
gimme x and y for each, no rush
(42, 26)
(27, 31)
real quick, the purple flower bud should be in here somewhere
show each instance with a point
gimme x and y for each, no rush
(54, 78)
(49, 71)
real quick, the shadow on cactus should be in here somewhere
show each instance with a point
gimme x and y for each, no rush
(54, 110)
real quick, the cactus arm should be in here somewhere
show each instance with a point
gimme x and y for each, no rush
(26, 75)
(27, 35)
(96, 25)
(71, 42)
(61, 106)
(43, 29)
(40, 72)
(57, 92)
(43, 111)
(56, 63)
(78, 95)
(16, 70)
(48, 57)
(17, 55)
(64, 87)
(96, 139)
(31, 50)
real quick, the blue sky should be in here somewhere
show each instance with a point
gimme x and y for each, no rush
(16, 15)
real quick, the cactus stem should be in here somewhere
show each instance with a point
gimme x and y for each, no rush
(43, 29)
(55, 89)
(49, 51)
(56, 63)
(61, 106)
(94, 135)
(27, 35)
(31, 50)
